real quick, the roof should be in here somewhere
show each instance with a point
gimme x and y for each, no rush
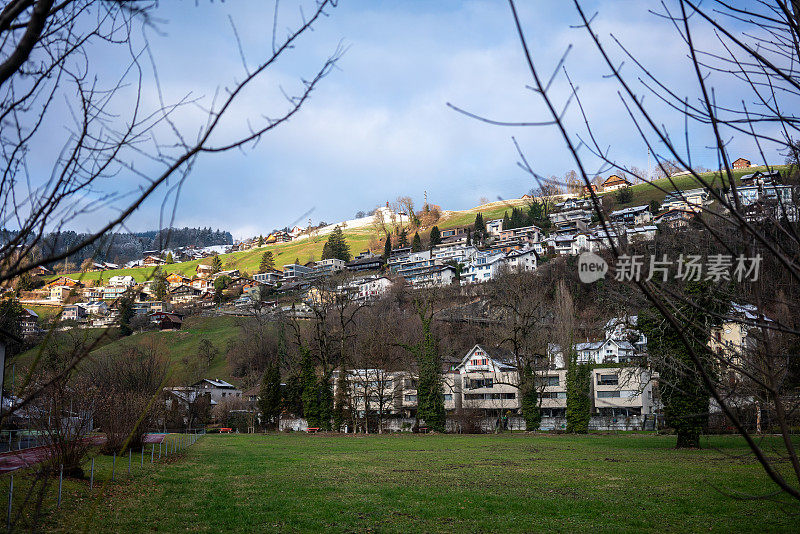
(614, 179)
(217, 383)
(497, 354)
(633, 209)
(364, 261)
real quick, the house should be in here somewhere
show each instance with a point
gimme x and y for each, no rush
(166, 320)
(483, 267)
(530, 233)
(202, 270)
(63, 281)
(622, 391)
(184, 294)
(218, 390)
(296, 271)
(611, 350)
(114, 292)
(269, 277)
(522, 260)
(96, 307)
(432, 276)
(741, 163)
(122, 281)
(614, 182)
(74, 312)
(451, 232)
(60, 293)
(633, 216)
(485, 379)
(153, 261)
(373, 288)
(674, 218)
(28, 322)
(41, 270)
(175, 279)
(328, 267)
(572, 220)
(494, 227)
(761, 178)
(693, 199)
(369, 262)
(587, 189)
(203, 284)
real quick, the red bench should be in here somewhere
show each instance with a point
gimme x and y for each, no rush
(312, 429)
(225, 430)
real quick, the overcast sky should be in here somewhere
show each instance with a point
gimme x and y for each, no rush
(378, 126)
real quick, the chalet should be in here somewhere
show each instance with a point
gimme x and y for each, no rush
(28, 322)
(166, 320)
(184, 294)
(741, 163)
(153, 261)
(522, 260)
(41, 270)
(63, 281)
(614, 182)
(175, 279)
(527, 196)
(203, 284)
(203, 270)
(60, 293)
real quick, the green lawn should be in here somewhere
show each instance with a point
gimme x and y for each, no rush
(437, 483)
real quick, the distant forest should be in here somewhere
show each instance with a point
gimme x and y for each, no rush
(124, 247)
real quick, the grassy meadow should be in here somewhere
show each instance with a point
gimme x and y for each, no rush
(437, 483)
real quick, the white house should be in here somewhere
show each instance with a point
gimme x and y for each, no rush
(494, 227)
(524, 259)
(122, 281)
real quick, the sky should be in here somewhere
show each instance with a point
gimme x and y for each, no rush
(378, 126)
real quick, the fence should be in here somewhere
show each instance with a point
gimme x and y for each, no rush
(122, 467)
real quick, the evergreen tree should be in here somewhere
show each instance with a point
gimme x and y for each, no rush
(506, 222)
(169, 259)
(416, 243)
(683, 393)
(436, 237)
(387, 247)
(341, 411)
(325, 402)
(402, 242)
(336, 246)
(579, 395)
(430, 398)
(469, 236)
(308, 382)
(126, 314)
(529, 400)
(297, 261)
(261, 241)
(160, 287)
(269, 401)
(216, 264)
(267, 262)
(480, 226)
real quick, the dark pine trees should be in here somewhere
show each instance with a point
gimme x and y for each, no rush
(336, 247)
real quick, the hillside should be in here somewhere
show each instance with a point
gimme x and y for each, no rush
(358, 238)
(180, 347)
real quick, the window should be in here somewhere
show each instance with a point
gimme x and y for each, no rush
(481, 383)
(411, 398)
(447, 396)
(554, 395)
(608, 394)
(607, 380)
(548, 381)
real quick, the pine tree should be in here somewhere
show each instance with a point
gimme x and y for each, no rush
(169, 259)
(325, 402)
(216, 264)
(506, 222)
(436, 237)
(480, 226)
(269, 401)
(297, 261)
(261, 241)
(267, 262)
(126, 314)
(469, 236)
(402, 242)
(160, 288)
(416, 243)
(336, 247)
(387, 247)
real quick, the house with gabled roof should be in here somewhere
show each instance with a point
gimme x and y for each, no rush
(614, 182)
(741, 163)
(485, 379)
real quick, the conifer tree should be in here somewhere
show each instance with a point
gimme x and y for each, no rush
(506, 222)
(529, 401)
(436, 237)
(169, 259)
(480, 226)
(269, 401)
(416, 243)
(387, 247)
(341, 411)
(308, 381)
(469, 236)
(216, 264)
(260, 240)
(579, 395)
(267, 262)
(402, 242)
(336, 246)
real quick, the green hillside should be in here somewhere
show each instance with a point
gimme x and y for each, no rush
(358, 238)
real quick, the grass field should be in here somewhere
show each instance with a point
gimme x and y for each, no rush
(437, 483)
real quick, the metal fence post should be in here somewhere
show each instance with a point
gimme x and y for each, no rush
(10, 498)
(113, 466)
(91, 480)
(60, 483)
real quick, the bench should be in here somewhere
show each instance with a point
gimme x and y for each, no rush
(312, 429)
(225, 430)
